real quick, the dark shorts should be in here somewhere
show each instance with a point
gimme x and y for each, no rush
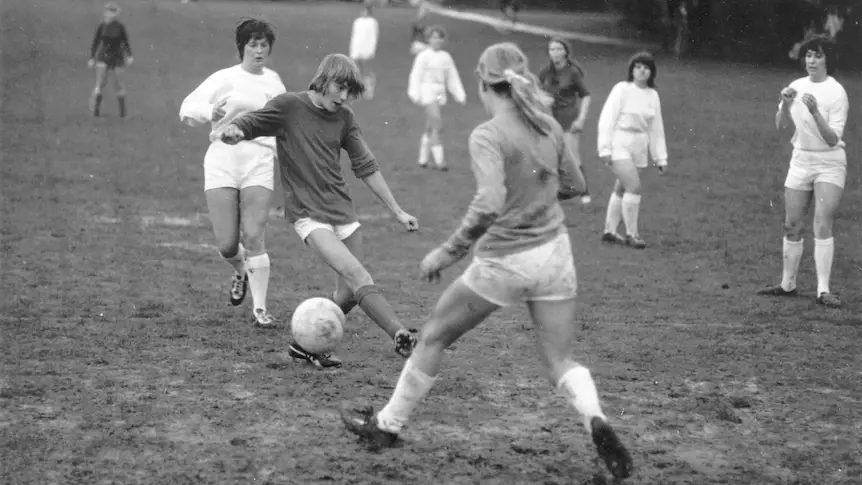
(112, 61)
(566, 116)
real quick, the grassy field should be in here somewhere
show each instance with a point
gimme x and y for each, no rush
(123, 363)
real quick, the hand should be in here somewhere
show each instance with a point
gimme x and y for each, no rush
(662, 169)
(810, 102)
(232, 135)
(577, 126)
(435, 262)
(788, 95)
(218, 110)
(130, 60)
(410, 223)
(91, 63)
(607, 160)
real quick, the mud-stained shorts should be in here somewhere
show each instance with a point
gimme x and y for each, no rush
(544, 273)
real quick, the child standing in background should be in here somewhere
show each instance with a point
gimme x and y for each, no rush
(433, 74)
(363, 46)
(110, 52)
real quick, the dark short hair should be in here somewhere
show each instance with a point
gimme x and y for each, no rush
(338, 69)
(248, 29)
(435, 28)
(647, 60)
(824, 44)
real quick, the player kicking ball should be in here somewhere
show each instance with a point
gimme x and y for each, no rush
(311, 129)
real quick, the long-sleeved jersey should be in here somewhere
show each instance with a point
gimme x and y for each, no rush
(833, 105)
(520, 179)
(110, 42)
(363, 38)
(241, 91)
(435, 67)
(635, 110)
(310, 140)
(567, 87)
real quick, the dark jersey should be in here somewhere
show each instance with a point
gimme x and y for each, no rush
(110, 42)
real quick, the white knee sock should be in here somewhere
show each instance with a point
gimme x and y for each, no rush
(238, 260)
(413, 385)
(578, 386)
(437, 153)
(424, 149)
(824, 250)
(258, 279)
(792, 251)
(631, 207)
(615, 213)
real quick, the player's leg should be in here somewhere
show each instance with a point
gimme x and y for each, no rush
(425, 141)
(255, 203)
(555, 328)
(573, 140)
(101, 81)
(828, 190)
(435, 139)
(627, 173)
(337, 256)
(343, 295)
(552, 305)
(458, 311)
(798, 190)
(224, 213)
(624, 203)
(120, 89)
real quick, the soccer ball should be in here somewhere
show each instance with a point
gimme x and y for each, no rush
(317, 325)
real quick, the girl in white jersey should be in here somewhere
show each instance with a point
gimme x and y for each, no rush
(363, 46)
(238, 180)
(522, 166)
(631, 129)
(816, 107)
(433, 74)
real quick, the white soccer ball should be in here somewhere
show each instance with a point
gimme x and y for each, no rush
(317, 325)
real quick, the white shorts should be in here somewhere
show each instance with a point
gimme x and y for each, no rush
(627, 145)
(809, 168)
(432, 93)
(305, 226)
(544, 273)
(238, 166)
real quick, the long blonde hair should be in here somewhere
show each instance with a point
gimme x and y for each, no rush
(504, 68)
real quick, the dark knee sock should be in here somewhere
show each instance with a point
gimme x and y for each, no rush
(378, 309)
(121, 100)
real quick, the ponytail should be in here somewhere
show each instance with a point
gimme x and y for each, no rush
(532, 103)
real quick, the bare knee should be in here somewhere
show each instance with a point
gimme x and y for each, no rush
(632, 186)
(434, 336)
(793, 229)
(822, 226)
(228, 249)
(254, 240)
(356, 277)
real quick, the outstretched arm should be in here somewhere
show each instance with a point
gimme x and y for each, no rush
(267, 121)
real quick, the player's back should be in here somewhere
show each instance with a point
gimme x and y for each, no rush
(531, 214)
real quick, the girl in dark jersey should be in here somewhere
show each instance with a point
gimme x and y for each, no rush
(110, 52)
(563, 78)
